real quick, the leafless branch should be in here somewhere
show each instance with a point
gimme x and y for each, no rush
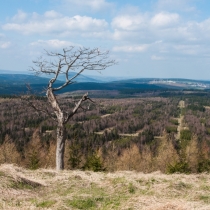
(72, 59)
(78, 105)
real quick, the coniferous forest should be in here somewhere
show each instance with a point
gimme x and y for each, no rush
(169, 133)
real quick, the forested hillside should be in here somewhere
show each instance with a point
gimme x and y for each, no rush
(170, 134)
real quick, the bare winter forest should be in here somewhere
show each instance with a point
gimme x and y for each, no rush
(170, 134)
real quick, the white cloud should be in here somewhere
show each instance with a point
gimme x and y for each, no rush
(177, 36)
(205, 27)
(144, 27)
(52, 14)
(169, 27)
(51, 23)
(128, 32)
(188, 49)
(193, 32)
(53, 43)
(155, 57)
(138, 48)
(20, 16)
(172, 5)
(165, 19)
(92, 4)
(5, 45)
(129, 22)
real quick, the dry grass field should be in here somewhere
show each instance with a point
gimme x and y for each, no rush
(48, 189)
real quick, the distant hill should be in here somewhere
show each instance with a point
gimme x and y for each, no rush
(80, 78)
(19, 79)
(16, 84)
(32, 79)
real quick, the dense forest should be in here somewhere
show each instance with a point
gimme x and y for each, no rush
(170, 133)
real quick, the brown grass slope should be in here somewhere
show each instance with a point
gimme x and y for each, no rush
(48, 189)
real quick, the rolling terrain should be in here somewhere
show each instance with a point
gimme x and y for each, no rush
(143, 144)
(15, 84)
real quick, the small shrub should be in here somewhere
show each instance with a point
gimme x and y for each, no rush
(174, 121)
(33, 161)
(203, 120)
(94, 163)
(179, 167)
(171, 129)
(204, 166)
(196, 108)
(74, 156)
(131, 188)
(208, 131)
(149, 136)
(185, 135)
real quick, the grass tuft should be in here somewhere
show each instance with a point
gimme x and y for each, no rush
(87, 203)
(46, 204)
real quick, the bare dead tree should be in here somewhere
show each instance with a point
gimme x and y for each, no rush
(77, 59)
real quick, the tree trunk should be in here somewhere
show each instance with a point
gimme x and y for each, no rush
(61, 130)
(60, 149)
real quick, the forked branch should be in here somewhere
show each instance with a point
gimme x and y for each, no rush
(77, 106)
(71, 59)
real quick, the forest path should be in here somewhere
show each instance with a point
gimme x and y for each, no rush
(106, 115)
(180, 119)
(120, 134)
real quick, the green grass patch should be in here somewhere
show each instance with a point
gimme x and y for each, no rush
(141, 181)
(119, 180)
(46, 204)
(2, 173)
(181, 186)
(205, 198)
(131, 188)
(21, 185)
(205, 187)
(85, 203)
(24, 184)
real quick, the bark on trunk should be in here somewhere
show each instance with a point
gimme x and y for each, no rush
(61, 130)
(61, 138)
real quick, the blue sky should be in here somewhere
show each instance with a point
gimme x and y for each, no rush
(148, 38)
